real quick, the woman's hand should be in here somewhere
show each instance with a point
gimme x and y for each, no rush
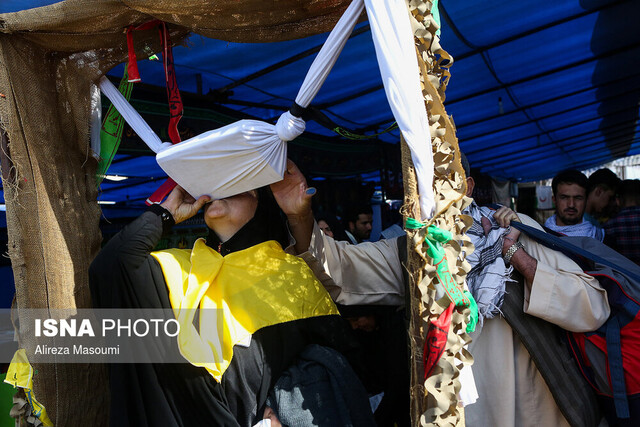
(182, 205)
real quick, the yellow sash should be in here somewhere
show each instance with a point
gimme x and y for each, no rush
(239, 294)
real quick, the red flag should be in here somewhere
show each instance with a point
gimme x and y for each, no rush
(436, 341)
(175, 109)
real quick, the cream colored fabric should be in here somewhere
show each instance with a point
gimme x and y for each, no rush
(367, 273)
(511, 390)
(561, 292)
(510, 387)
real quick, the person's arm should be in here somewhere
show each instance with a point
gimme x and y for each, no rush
(559, 291)
(524, 263)
(138, 239)
(367, 273)
(120, 271)
(294, 198)
(183, 206)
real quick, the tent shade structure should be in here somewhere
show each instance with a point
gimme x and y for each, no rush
(545, 88)
(534, 89)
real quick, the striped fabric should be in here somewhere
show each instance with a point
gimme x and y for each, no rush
(546, 344)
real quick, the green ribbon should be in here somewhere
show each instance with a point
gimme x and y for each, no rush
(435, 11)
(346, 133)
(473, 315)
(111, 131)
(434, 239)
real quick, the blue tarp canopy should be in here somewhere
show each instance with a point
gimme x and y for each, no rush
(536, 87)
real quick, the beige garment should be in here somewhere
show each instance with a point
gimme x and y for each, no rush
(511, 389)
(367, 273)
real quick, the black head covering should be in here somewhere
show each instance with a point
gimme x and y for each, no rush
(268, 223)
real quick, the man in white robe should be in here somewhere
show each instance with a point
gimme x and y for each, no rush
(511, 389)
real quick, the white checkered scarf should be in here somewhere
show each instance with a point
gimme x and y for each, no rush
(489, 274)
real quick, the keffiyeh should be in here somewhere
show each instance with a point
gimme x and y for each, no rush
(489, 274)
(585, 228)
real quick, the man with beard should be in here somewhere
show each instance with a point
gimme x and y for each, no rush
(570, 196)
(359, 221)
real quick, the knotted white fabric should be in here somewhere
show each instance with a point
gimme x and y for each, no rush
(249, 154)
(246, 154)
(230, 160)
(289, 127)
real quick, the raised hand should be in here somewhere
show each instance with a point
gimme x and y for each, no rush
(292, 194)
(504, 216)
(294, 198)
(182, 205)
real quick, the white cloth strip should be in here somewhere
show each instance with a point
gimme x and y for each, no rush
(396, 53)
(328, 54)
(290, 127)
(96, 120)
(132, 117)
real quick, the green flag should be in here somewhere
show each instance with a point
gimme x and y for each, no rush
(111, 131)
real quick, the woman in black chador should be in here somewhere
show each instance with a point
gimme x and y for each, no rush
(270, 293)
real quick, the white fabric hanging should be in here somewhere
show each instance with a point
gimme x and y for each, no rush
(132, 117)
(246, 154)
(396, 53)
(96, 121)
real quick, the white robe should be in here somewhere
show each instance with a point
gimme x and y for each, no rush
(511, 389)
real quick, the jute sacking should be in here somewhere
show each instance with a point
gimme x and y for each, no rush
(435, 400)
(52, 217)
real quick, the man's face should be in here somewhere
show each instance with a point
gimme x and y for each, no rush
(602, 199)
(361, 229)
(326, 229)
(570, 203)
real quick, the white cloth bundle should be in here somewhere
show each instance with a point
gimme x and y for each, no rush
(249, 153)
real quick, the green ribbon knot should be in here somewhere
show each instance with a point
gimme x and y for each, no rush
(435, 238)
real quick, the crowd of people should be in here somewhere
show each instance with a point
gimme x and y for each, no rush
(602, 207)
(328, 346)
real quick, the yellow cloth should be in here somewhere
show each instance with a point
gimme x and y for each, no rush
(20, 374)
(238, 294)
